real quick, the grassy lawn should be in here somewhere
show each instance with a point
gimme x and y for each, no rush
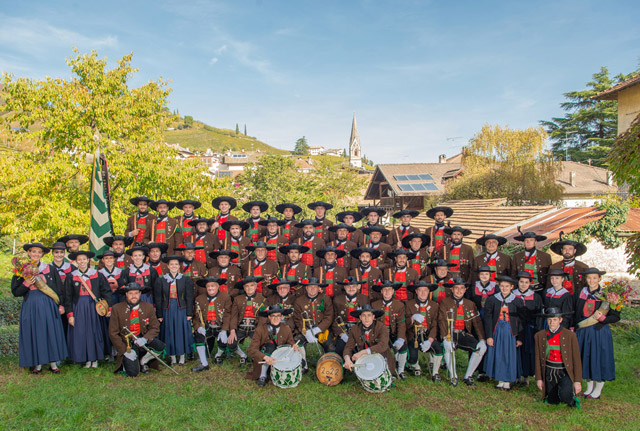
(222, 399)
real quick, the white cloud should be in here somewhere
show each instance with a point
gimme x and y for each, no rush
(36, 37)
(213, 61)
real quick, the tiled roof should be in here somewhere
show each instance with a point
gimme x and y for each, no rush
(587, 180)
(387, 172)
(612, 93)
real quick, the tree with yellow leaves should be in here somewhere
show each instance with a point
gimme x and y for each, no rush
(500, 162)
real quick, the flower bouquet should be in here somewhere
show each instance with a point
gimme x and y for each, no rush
(30, 270)
(614, 295)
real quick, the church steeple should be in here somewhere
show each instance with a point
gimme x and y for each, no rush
(355, 152)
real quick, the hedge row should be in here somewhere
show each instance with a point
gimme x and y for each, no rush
(9, 340)
(9, 310)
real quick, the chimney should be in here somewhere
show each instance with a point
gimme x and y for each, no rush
(442, 158)
(609, 178)
(572, 178)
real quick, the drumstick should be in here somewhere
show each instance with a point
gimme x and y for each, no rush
(277, 360)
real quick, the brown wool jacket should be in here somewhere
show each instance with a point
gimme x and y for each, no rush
(379, 339)
(259, 339)
(120, 317)
(570, 355)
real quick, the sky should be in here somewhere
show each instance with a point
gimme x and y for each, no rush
(422, 77)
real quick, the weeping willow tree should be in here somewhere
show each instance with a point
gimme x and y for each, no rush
(500, 162)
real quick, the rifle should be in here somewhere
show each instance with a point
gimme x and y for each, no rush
(306, 326)
(206, 338)
(129, 334)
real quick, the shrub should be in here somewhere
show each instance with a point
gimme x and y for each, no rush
(9, 310)
(9, 340)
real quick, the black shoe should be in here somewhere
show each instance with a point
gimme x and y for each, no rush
(454, 381)
(469, 381)
(36, 371)
(144, 369)
(483, 377)
(243, 361)
(262, 381)
(200, 368)
(54, 370)
(436, 378)
(402, 376)
(218, 360)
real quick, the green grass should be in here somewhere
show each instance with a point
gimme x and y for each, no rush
(201, 137)
(222, 399)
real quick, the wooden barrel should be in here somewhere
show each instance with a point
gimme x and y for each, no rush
(329, 369)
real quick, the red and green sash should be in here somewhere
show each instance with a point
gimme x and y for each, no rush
(329, 280)
(161, 231)
(249, 311)
(257, 271)
(307, 258)
(222, 234)
(423, 310)
(459, 324)
(493, 265)
(531, 267)
(455, 258)
(142, 228)
(401, 293)
(211, 311)
(438, 236)
(272, 254)
(201, 255)
(351, 306)
(254, 230)
(568, 283)
(341, 259)
(287, 229)
(554, 354)
(134, 322)
(186, 228)
(235, 246)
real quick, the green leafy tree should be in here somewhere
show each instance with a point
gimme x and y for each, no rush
(237, 129)
(589, 127)
(276, 179)
(44, 192)
(508, 163)
(302, 147)
(188, 120)
(245, 130)
(624, 161)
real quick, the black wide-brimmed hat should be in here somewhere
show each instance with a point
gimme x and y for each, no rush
(82, 238)
(458, 281)
(130, 286)
(274, 285)
(350, 280)
(203, 281)
(163, 246)
(370, 229)
(286, 248)
(523, 274)
(484, 268)
(42, 247)
(335, 227)
(400, 251)
(379, 286)
(108, 253)
(593, 271)
(449, 230)
(182, 203)
(423, 236)
(313, 205)
(154, 205)
(223, 252)
(135, 201)
(367, 307)
(271, 219)
(74, 255)
(231, 201)
(366, 211)
(355, 253)
(189, 246)
(313, 281)
(507, 279)
(168, 259)
(528, 234)
(227, 225)
(440, 262)
(556, 247)
(273, 309)
(557, 272)
(412, 213)
(413, 286)
(58, 245)
(128, 240)
(356, 216)
(484, 238)
(553, 312)
(281, 207)
(307, 222)
(259, 244)
(263, 206)
(248, 279)
(142, 248)
(196, 221)
(448, 211)
(339, 253)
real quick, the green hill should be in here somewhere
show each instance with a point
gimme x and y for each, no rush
(200, 137)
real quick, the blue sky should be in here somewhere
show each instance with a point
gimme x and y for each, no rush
(422, 77)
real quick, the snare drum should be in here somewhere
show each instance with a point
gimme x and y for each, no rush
(286, 372)
(373, 373)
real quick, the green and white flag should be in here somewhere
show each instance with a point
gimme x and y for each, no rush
(101, 226)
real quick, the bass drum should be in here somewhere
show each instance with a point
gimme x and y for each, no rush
(329, 369)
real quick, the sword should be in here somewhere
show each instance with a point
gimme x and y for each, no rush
(206, 338)
(128, 334)
(305, 322)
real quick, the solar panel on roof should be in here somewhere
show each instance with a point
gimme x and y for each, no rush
(413, 177)
(426, 177)
(400, 177)
(406, 187)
